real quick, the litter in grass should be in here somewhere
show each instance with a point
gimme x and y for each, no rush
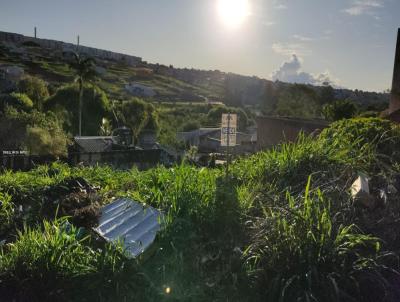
(361, 193)
(131, 223)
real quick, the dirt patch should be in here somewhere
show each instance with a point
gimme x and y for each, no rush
(75, 198)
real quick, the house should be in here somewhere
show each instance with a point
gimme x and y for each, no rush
(93, 144)
(208, 140)
(140, 90)
(272, 131)
(11, 72)
(119, 152)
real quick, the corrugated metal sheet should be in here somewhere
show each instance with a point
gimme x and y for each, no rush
(94, 143)
(130, 222)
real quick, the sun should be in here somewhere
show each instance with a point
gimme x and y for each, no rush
(233, 12)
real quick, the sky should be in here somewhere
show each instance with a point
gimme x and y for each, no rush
(350, 43)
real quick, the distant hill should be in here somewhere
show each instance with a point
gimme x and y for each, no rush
(48, 59)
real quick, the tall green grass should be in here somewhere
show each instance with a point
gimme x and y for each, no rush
(300, 253)
(57, 264)
(306, 242)
(7, 212)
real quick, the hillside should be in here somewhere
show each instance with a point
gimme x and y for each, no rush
(169, 83)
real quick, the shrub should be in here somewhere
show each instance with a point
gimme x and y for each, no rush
(38, 132)
(382, 135)
(190, 126)
(298, 253)
(342, 109)
(19, 101)
(341, 150)
(35, 88)
(41, 141)
(288, 166)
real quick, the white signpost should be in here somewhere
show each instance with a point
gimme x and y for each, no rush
(228, 130)
(228, 134)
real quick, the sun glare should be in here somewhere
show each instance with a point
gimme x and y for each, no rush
(233, 12)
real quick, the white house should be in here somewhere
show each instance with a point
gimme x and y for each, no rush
(137, 89)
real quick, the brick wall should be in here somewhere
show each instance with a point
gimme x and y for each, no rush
(272, 131)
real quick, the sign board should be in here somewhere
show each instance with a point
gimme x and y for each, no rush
(228, 129)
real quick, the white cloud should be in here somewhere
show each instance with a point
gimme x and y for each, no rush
(363, 7)
(291, 72)
(288, 49)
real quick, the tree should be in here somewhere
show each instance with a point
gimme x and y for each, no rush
(233, 90)
(65, 104)
(270, 98)
(342, 109)
(36, 89)
(326, 95)
(84, 69)
(298, 100)
(214, 116)
(137, 115)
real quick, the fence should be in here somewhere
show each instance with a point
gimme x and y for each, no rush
(125, 159)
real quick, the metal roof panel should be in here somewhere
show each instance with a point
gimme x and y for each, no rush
(131, 222)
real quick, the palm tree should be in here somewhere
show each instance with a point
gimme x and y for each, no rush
(84, 71)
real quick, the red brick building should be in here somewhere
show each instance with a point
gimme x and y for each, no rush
(272, 131)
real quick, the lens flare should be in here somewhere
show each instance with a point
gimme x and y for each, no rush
(233, 12)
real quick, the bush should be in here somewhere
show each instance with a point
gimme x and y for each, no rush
(340, 151)
(382, 135)
(41, 141)
(342, 109)
(298, 253)
(190, 126)
(38, 132)
(19, 101)
(36, 89)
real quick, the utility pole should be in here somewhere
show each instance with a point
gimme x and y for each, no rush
(77, 43)
(227, 146)
(35, 32)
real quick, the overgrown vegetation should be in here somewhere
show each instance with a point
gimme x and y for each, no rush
(267, 232)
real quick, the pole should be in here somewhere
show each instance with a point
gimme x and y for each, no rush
(227, 146)
(35, 32)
